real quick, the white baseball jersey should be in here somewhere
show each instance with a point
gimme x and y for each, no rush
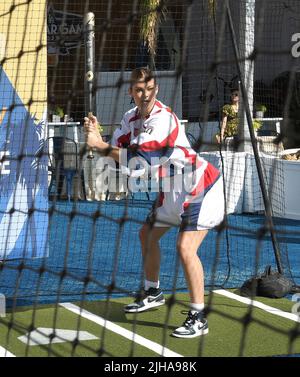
(160, 140)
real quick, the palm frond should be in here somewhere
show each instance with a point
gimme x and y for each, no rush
(152, 13)
(212, 7)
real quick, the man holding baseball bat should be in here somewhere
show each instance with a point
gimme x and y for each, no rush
(152, 132)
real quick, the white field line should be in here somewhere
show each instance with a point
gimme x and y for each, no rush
(155, 347)
(257, 304)
(5, 353)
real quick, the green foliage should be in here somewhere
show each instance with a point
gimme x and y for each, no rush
(256, 124)
(151, 16)
(100, 128)
(59, 111)
(260, 107)
(212, 7)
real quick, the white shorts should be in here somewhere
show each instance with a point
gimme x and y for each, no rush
(204, 213)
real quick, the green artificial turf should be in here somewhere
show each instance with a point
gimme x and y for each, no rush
(264, 334)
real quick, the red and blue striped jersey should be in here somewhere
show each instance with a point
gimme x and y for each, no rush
(160, 140)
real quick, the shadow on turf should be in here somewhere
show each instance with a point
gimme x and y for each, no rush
(114, 311)
(24, 306)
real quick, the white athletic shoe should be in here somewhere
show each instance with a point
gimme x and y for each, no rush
(149, 299)
(194, 325)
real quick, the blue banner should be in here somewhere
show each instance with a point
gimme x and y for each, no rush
(23, 177)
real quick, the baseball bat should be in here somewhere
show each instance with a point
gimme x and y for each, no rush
(89, 35)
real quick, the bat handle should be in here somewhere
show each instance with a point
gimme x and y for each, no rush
(90, 155)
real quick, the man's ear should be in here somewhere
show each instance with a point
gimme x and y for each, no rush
(130, 91)
(156, 89)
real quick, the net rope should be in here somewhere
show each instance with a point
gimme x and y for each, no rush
(67, 235)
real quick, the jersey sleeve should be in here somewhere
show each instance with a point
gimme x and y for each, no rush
(121, 136)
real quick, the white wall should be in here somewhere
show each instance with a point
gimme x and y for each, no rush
(281, 22)
(113, 101)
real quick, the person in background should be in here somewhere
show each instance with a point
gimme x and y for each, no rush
(229, 125)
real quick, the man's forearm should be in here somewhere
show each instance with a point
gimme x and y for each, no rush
(107, 150)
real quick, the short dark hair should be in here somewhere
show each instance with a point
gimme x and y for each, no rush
(234, 90)
(143, 74)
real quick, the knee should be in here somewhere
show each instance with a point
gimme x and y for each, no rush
(149, 237)
(185, 252)
(143, 234)
(146, 238)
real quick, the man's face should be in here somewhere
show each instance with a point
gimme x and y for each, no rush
(144, 95)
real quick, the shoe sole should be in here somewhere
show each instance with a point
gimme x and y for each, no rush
(152, 305)
(200, 333)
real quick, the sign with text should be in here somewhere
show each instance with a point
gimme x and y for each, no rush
(64, 31)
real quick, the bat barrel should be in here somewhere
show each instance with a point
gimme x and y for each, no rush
(89, 41)
(89, 34)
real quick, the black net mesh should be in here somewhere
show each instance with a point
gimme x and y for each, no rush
(69, 225)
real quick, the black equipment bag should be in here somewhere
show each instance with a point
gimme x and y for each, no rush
(269, 284)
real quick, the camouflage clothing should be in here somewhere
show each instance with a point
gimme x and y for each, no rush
(231, 128)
